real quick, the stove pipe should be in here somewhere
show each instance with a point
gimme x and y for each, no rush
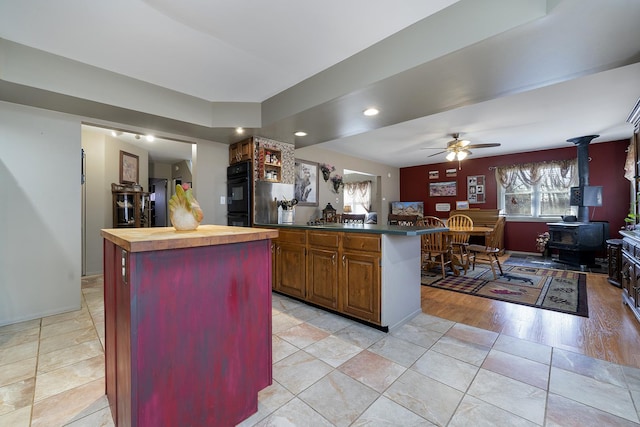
(583, 170)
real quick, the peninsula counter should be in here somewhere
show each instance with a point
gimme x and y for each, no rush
(367, 272)
(187, 324)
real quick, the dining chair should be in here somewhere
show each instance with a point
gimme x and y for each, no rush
(459, 241)
(353, 218)
(434, 247)
(488, 253)
(404, 220)
(431, 221)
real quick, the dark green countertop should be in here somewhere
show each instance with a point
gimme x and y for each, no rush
(360, 228)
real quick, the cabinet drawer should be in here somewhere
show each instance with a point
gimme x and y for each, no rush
(292, 236)
(326, 239)
(627, 246)
(361, 242)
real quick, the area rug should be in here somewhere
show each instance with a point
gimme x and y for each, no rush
(557, 290)
(601, 266)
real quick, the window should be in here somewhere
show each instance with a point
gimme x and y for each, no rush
(357, 195)
(536, 189)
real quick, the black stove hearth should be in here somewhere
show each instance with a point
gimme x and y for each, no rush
(578, 242)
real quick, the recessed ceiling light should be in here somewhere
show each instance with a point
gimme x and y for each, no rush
(150, 138)
(371, 112)
(239, 130)
(300, 133)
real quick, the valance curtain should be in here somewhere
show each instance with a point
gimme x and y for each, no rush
(559, 174)
(358, 194)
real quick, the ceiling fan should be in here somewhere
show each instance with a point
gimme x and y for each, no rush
(458, 149)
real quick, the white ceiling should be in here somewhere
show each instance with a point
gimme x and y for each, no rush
(573, 72)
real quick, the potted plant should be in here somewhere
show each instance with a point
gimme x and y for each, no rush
(336, 180)
(326, 170)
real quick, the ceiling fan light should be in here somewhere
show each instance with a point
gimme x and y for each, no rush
(451, 155)
(464, 142)
(462, 154)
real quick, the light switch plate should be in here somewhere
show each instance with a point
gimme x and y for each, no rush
(223, 200)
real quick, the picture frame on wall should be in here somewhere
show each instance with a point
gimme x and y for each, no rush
(475, 189)
(443, 189)
(434, 174)
(305, 188)
(462, 205)
(129, 168)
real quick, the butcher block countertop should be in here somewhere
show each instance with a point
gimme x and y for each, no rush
(165, 238)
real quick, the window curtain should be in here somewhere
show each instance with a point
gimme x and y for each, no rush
(358, 194)
(558, 174)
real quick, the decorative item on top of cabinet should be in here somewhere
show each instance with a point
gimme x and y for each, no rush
(269, 164)
(241, 151)
(131, 207)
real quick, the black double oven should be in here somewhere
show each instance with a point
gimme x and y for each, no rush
(239, 191)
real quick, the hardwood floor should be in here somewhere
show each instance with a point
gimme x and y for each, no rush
(610, 333)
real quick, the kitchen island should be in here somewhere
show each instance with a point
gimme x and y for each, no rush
(187, 324)
(367, 272)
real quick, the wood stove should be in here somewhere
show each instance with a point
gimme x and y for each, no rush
(578, 242)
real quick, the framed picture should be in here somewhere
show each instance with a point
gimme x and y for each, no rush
(434, 175)
(305, 188)
(128, 168)
(475, 189)
(462, 205)
(451, 173)
(443, 189)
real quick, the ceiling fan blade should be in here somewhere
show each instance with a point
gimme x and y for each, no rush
(495, 144)
(437, 153)
(431, 148)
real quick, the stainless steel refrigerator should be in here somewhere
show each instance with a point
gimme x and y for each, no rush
(266, 195)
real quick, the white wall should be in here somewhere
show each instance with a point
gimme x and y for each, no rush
(97, 203)
(389, 183)
(209, 170)
(103, 168)
(40, 258)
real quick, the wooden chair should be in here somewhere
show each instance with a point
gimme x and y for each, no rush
(488, 254)
(434, 246)
(460, 241)
(404, 220)
(353, 218)
(431, 221)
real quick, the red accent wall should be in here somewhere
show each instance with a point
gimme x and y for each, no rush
(606, 168)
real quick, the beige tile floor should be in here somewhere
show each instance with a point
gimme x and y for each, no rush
(328, 370)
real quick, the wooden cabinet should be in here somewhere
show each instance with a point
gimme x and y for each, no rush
(630, 272)
(269, 164)
(131, 209)
(289, 272)
(343, 270)
(614, 256)
(241, 151)
(322, 267)
(187, 327)
(360, 276)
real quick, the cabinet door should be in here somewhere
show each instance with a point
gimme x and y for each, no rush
(360, 278)
(290, 269)
(628, 275)
(322, 283)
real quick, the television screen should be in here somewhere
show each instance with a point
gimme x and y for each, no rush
(408, 208)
